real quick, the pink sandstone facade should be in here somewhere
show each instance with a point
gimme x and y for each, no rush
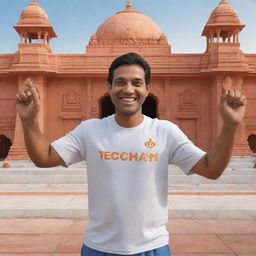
(185, 87)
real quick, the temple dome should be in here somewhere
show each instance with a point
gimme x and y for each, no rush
(33, 15)
(224, 13)
(128, 24)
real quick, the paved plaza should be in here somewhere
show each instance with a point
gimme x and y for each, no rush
(189, 237)
(43, 212)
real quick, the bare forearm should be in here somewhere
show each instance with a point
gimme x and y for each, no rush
(37, 145)
(219, 156)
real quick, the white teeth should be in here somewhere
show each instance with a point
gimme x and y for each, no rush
(128, 99)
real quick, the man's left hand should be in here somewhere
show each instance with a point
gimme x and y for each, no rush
(232, 105)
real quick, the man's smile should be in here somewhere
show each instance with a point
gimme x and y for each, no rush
(128, 99)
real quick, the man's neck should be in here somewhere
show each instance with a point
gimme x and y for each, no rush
(129, 121)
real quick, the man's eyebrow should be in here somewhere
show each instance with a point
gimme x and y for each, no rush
(119, 78)
(138, 79)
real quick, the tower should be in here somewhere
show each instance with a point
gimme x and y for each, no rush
(222, 39)
(223, 58)
(31, 60)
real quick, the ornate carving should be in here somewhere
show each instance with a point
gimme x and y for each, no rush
(187, 105)
(93, 40)
(128, 38)
(71, 101)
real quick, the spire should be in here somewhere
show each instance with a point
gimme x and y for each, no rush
(223, 2)
(129, 4)
(34, 2)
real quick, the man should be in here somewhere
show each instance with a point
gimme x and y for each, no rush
(127, 156)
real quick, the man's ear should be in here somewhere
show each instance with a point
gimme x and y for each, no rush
(148, 86)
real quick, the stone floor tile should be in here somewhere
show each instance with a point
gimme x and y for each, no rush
(29, 243)
(70, 244)
(242, 254)
(243, 244)
(65, 254)
(200, 254)
(78, 227)
(201, 226)
(28, 226)
(197, 244)
(27, 254)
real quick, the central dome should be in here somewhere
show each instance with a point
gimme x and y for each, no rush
(129, 26)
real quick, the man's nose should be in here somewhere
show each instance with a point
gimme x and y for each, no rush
(128, 88)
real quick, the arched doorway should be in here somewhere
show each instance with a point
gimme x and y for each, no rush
(149, 107)
(5, 144)
(106, 107)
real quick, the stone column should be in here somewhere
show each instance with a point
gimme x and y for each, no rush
(167, 99)
(241, 145)
(215, 98)
(18, 150)
(88, 98)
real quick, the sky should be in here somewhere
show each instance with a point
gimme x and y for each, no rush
(74, 21)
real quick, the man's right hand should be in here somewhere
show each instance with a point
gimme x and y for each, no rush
(28, 101)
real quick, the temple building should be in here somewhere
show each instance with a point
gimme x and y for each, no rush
(185, 87)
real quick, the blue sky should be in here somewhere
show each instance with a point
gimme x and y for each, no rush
(74, 21)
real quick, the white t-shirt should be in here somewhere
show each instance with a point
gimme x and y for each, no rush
(127, 171)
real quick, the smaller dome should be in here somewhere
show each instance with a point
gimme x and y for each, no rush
(224, 13)
(34, 15)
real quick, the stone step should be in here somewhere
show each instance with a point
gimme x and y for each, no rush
(179, 206)
(16, 189)
(82, 179)
(82, 171)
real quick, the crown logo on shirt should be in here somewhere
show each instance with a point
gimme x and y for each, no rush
(150, 143)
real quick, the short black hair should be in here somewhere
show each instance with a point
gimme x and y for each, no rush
(130, 58)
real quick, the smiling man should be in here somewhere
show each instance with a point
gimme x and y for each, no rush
(127, 156)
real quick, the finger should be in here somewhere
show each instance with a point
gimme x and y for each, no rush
(22, 96)
(227, 83)
(237, 99)
(242, 101)
(35, 95)
(230, 97)
(237, 94)
(29, 82)
(18, 99)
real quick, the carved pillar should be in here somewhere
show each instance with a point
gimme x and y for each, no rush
(88, 98)
(38, 37)
(216, 123)
(18, 150)
(241, 145)
(167, 99)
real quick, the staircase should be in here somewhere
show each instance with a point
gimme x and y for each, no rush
(30, 192)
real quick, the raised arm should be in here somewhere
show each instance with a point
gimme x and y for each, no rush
(38, 148)
(232, 109)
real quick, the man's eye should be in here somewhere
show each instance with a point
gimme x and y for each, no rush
(119, 83)
(138, 83)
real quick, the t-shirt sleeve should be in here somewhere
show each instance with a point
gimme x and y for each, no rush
(183, 152)
(70, 147)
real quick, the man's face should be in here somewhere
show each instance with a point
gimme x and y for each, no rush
(128, 90)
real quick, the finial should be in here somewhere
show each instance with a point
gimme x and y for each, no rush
(34, 2)
(223, 2)
(129, 4)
